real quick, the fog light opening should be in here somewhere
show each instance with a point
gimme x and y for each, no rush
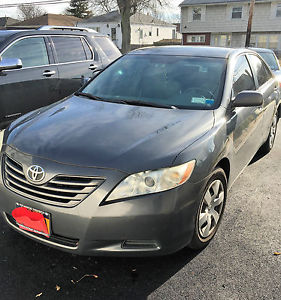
(140, 244)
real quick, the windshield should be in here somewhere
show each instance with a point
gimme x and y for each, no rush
(270, 60)
(179, 81)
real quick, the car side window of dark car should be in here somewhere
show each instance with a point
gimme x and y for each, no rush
(242, 78)
(260, 69)
(32, 51)
(88, 52)
(71, 49)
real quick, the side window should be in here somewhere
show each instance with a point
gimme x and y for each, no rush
(260, 69)
(243, 78)
(108, 47)
(32, 51)
(69, 49)
(88, 51)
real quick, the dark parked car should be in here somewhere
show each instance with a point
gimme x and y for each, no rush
(139, 162)
(270, 58)
(39, 67)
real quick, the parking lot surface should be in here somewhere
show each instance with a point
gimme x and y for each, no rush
(238, 264)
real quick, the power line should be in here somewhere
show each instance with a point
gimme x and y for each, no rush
(47, 2)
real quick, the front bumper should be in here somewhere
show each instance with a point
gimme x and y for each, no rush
(154, 224)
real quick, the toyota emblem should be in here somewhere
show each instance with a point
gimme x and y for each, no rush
(35, 173)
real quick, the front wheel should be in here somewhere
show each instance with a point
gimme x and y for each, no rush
(210, 210)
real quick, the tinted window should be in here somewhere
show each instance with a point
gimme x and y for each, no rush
(242, 79)
(185, 82)
(69, 49)
(270, 60)
(108, 47)
(87, 49)
(260, 69)
(32, 52)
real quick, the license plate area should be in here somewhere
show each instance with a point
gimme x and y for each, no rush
(32, 220)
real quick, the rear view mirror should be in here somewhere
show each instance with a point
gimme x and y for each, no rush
(10, 64)
(247, 99)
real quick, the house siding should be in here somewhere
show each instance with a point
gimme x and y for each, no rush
(164, 32)
(217, 20)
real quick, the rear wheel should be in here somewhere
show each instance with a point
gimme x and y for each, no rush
(268, 145)
(210, 210)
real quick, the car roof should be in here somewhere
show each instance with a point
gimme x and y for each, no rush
(48, 30)
(203, 51)
(262, 50)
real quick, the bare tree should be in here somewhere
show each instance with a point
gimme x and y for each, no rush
(29, 11)
(104, 6)
(128, 8)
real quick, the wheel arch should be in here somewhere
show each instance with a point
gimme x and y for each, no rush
(225, 165)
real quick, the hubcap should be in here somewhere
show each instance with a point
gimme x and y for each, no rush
(273, 131)
(211, 208)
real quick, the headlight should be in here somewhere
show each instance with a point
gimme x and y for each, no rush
(152, 181)
(1, 138)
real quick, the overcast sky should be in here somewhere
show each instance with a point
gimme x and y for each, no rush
(170, 14)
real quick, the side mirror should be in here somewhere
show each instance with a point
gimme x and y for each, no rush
(10, 64)
(248, 99)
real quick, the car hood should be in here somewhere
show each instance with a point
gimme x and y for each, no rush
(92, 133)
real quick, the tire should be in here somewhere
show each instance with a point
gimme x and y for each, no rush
(268, 145)
(208, 217)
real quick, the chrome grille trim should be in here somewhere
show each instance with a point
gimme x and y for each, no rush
(61, 190)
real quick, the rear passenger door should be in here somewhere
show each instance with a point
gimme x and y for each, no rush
(268, 87)
(76, 61)
(33, 86)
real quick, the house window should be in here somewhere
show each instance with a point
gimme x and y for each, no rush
(174, 34)
(237, 12)
(150, 33)
(278, 10)
(262, 41)
(141, 34)
(273, 42)
(222, 40)
(157, 31)
(196, 14)
(113, 34)
(196, 39)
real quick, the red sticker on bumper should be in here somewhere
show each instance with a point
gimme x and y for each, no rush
(31, 221)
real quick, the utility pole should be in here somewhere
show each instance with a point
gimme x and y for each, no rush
(249, 29)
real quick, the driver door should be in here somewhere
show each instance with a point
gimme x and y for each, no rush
(246, 122)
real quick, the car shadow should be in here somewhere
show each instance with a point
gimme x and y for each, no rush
(259, 155)
(39, 269)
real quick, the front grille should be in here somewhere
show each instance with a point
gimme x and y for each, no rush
(63, 189)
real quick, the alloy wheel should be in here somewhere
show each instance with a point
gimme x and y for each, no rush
(211, 208)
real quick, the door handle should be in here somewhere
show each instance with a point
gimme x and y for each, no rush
(93, 67)
(48, 73)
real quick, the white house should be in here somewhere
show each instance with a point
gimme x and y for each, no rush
(224, 23)
(145, 29)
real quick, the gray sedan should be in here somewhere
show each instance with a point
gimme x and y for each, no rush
(140, 161)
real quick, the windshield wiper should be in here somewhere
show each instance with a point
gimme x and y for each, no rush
(149, 104)
(90, 96)
(129, 102)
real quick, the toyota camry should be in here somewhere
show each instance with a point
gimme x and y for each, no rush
(140, 160)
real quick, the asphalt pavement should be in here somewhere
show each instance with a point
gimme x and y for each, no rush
(238, 264)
